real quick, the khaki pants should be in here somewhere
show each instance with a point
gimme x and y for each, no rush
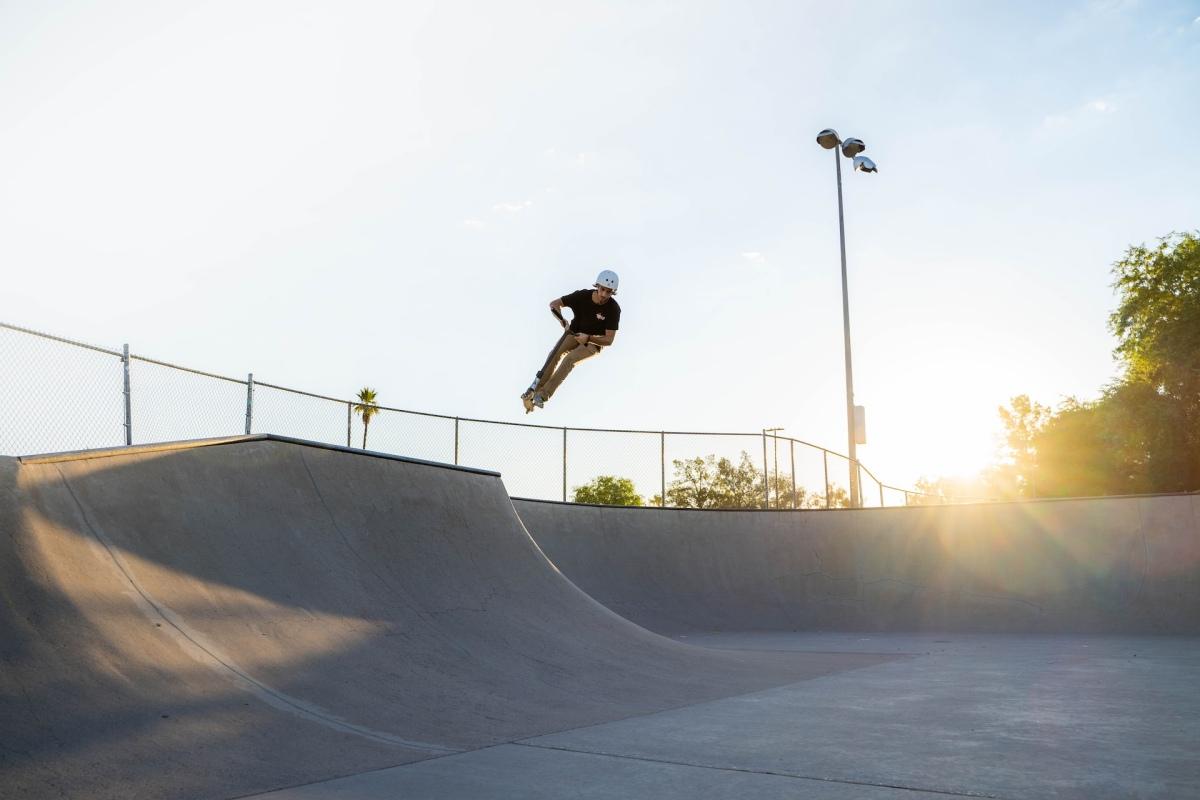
(570, 352)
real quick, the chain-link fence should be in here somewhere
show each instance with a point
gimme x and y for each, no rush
(60, 395)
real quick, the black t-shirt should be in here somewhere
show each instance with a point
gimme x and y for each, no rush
(591, 318)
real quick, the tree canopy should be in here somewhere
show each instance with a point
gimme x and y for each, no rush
(366, 407)
(1143, 433)
(1157, 322)
(712, 482)
(608, 490)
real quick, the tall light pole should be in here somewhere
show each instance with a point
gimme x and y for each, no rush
(850, 148)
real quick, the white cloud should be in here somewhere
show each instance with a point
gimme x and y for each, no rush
(1065, 119)
(474, 224)
(754, 256)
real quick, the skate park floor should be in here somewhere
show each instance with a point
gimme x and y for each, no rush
(261, 617)
(958, 715)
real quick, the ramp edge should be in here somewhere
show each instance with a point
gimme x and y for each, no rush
(189, 444)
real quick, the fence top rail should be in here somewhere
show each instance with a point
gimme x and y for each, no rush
(169, 365)
(64, 340)
(434, 415)
(338, 400)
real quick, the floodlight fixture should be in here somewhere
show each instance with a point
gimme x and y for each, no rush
(852, 147)
(864, 164)
(828, 139)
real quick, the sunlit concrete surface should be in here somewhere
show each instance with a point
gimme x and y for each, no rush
(967, 716)
(261, 617)
(1093, 565)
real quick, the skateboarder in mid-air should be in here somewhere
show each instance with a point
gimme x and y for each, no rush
(596, 317)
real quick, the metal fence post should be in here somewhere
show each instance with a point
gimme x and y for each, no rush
(662, 462)
(880, 494)
(792, 444)
(564, 494)
(349, 419)
(128, 398)
(766, 479)
(775, 454)
(825, 454)
(456, 440)
(249, 402)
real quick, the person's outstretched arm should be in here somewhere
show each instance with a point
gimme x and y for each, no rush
(556, 309)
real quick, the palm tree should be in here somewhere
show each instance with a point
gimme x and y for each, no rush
(367, 407)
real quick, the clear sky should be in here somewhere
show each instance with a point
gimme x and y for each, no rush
(340, 194)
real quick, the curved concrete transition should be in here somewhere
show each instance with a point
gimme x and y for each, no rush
(1127, 565)
(231, 617)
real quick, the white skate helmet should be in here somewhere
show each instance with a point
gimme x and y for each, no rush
(608, 279)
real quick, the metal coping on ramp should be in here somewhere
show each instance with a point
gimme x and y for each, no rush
(189, 444)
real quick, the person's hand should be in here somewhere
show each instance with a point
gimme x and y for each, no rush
(582, 338)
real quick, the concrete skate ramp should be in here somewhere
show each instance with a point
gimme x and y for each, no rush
(1114, 565)
(215, 621)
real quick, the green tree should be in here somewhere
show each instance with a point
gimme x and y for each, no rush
(1157, 325)
(739, 486)
(608, 490)
(1158, 437)
(694, 483)
(838, 498)
(1017, 474)
(1157, 322)
(366, 407)
(1126, 442)
(1078, 452)
(782, 494)
(1143, 433)
(712, 482)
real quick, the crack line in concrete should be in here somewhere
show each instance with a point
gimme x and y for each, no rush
(851, 782)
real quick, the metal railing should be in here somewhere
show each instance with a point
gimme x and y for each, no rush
(59, 394)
